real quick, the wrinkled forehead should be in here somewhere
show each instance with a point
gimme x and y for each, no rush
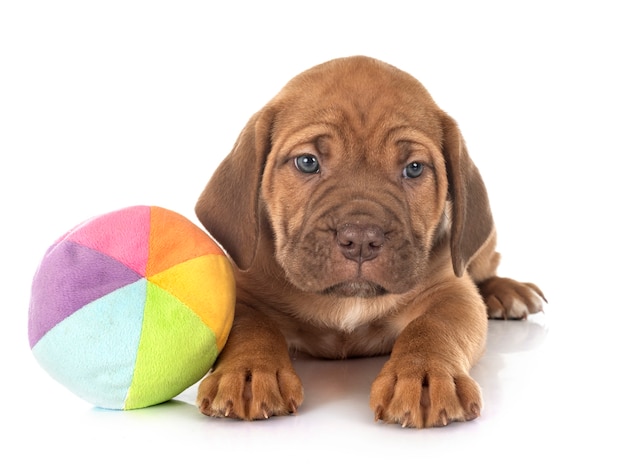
(360, 94)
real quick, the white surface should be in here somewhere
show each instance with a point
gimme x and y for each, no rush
(125, 103)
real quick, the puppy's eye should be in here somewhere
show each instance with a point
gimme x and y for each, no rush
(413, 170)
(307, 163)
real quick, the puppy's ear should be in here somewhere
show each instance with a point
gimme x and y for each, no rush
(472, 222)
(229, 205)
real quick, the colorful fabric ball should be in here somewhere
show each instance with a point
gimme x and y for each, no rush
(131, 308)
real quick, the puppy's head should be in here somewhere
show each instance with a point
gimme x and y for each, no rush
(349, 175)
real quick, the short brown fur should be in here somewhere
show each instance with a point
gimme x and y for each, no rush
(358, 257)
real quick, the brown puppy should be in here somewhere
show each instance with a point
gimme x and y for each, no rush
(359, 227)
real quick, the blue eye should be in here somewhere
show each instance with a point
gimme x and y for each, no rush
(413, 170)
(307, 163)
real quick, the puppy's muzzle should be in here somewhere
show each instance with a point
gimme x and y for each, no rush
(360, 243)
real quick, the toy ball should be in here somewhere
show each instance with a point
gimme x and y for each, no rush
(131, 308)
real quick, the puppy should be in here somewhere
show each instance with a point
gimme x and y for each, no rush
(359, 226)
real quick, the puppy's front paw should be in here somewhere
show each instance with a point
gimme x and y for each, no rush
(508, 299)
(250, 393)
(424, 394)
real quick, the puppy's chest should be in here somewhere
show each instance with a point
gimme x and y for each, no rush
(329, 343)
(343, 330)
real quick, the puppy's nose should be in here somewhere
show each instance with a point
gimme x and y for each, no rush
(360, 243)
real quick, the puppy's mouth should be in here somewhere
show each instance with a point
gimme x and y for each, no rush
(357, 288)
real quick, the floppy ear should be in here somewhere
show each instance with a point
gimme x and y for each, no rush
(228, 206)
(472, 222)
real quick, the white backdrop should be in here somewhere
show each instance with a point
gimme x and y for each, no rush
(109, 104)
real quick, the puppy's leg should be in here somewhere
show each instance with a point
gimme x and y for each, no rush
(426, 380)
(253, 377)
(510, 299)
(505, 298)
